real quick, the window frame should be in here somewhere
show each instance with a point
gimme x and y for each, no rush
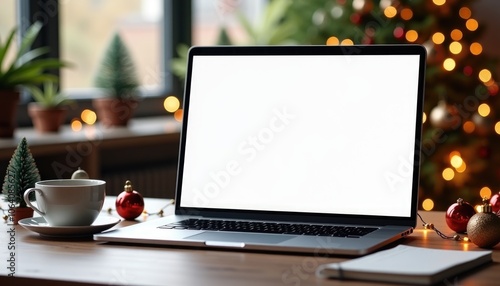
(176, 29)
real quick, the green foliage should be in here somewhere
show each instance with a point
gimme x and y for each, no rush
(117, 75)
(49, 96)
(26, 67)
(22, 173)
(271, 30)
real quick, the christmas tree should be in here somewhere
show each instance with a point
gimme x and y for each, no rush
(461, 148)
(117, 75)
(22, 174)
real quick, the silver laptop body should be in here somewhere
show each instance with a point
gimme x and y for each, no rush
(309, 135)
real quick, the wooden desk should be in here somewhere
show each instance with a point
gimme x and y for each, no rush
(85, 262)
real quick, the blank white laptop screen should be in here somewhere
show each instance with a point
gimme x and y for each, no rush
(321, 133)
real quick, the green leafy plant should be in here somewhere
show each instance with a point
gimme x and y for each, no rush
(26, 67)
(22, 174)
(116, 75)
(49, 96)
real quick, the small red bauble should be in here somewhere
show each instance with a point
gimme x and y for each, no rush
(495, 202)
(129, 204)
(458, 215)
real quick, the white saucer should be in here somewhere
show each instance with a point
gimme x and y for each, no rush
(40, 226)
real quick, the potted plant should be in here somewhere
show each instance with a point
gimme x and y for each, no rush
(22, 174)
(117, 79)
(48, 112)
(26, 68)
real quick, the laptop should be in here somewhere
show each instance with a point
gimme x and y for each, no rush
(304, 149)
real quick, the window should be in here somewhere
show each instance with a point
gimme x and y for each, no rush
(86, 28)
(79, 31)
(7, 22)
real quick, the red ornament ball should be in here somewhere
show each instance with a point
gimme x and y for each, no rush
(129, 203)
(495, 203)
(458, 215)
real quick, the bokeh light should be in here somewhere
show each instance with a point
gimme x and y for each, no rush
(455, 48)
(88, 116)
(456, 35)
(438, 38)
(469, 126)
(465, 13)
(449, 64)
(76, 125)
(171, 103)
(347, 42)
(484, 110)
(476, 48)
(178, 115)
(439, 2)
(485, 192)
(411, 36)
(333, 41)
(472, 24)
(406, 14)
(484, 75)
(497, 127)
(390, 12)
(448, 174)
(428, 204)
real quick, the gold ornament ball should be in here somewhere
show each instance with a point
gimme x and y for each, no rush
(483, 229)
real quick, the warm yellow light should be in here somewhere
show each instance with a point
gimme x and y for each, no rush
(332, 41)
(347, 42)
(424, 118)
(455, 48)
(406, 14)
(476, 48)
(456, 35)
(449, 64)
(428, 204)
(465, 13)
(411, 36)
(484, 110)
(76, 125)
(454, 153)
(439, 2)
(178, 115)
(88, 116)
(438, 38)
(390, 12)
(472, 24)
(448, 174)
(484, 75)
(456, 161)
(462, 168)
(497, 127)
(171, 103)
(485, 192)
(469, 127)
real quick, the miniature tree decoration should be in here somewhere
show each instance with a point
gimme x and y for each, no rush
(116, 75)
(22, 174)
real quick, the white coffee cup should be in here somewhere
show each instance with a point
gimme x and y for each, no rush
(68, 202)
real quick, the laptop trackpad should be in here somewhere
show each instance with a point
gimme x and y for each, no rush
(240, 237)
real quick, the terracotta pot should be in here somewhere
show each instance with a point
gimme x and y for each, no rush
(9, 100)
(45, 119)
(21, 213)
(114, 112)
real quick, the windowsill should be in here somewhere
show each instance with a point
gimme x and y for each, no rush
(139, 127)
(146, 142)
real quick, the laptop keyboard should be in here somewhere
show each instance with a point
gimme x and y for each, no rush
(269, 227)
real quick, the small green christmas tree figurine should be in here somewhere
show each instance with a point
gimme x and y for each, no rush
(117, 75)
(22, 174)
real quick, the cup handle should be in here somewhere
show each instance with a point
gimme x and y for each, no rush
(28, 202)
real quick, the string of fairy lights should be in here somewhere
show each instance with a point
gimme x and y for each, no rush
(455, 48)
